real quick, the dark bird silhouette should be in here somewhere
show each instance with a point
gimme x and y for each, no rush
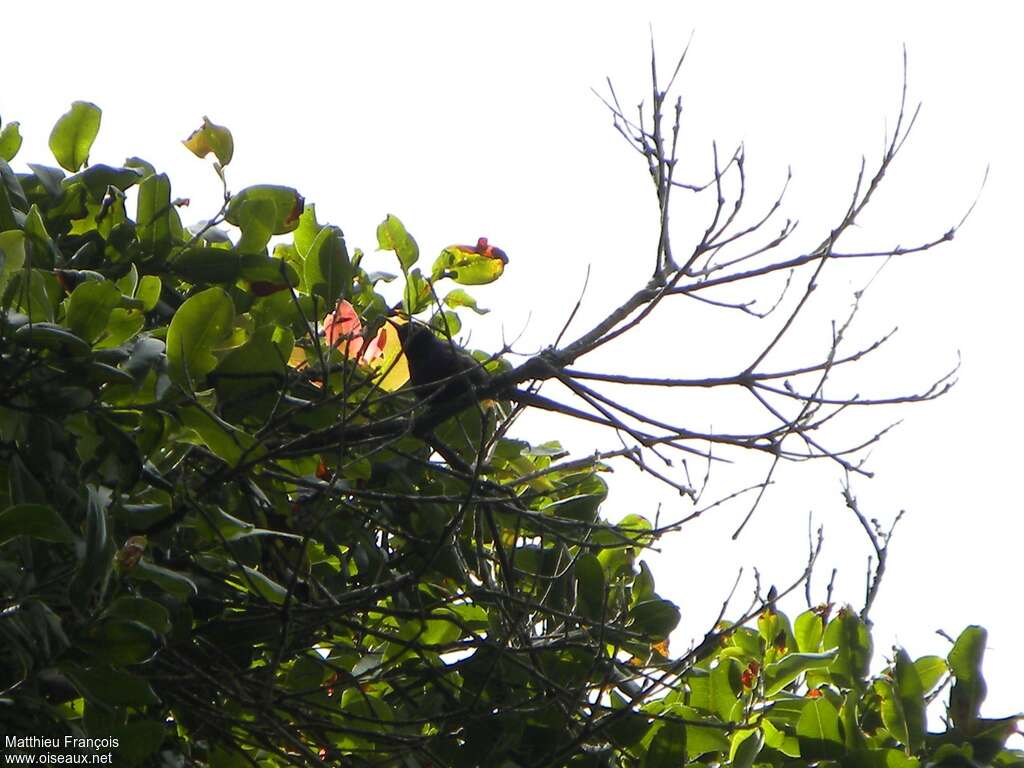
(439, 371)
(442, 373)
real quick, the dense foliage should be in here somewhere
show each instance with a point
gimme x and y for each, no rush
(227, 535)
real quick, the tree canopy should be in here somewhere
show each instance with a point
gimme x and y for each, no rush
(233, 532)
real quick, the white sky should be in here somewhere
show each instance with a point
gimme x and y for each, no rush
(467, 119)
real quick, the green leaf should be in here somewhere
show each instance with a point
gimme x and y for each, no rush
(250, 377)
(818, 730)
(50, 336)
(779, 740)
(97, 178)
(969, 688)
(200, 324)
(98, 558)
(206, 265)
(654, 618)
(158, 222)
(590, 587)
(328, 270)
(110, 687)
(10, 141)
(89, 308)
(122, 325)
(930, 669)
(172, 582)
(262, 585)
(643, 584)
(256, 219)
(469, 265)
(148, 292)
(416, 295)
(783, 672)
(911, 698)
(286, 203)
(73, 135)
(119, 642)
(668, 747)
(724, 688)
(853, 736)
(851, 636)
(39, 521)
(12, 255)
(210, 137)
(745, 747)
(140, 609)
(137, 740)
(307, 231)
(35, 292)
(223, 439)
(459, 298)
(808, 629)
(391, 236)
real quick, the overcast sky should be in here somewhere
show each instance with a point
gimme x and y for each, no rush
(465, 120)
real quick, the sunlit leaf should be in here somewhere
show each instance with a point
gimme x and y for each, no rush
(392, 236)
(199, 325)
(73, 135)
(210, 137)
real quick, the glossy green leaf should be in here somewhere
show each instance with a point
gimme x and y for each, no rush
(851, 636)
(724, 688)
(262, 585)
(122, 325)
(10, 141)
(783, 672)
(643, 584)
(137, 740)
(284, 204)
(172, 582)
(931, 670)
(745, 747)
(459, 298)
(202, 323)
(50, 336)
(119, 642)
(35, 292)
(206, 265)
(89, 308)
(225, 440)
(12, 256)
(467, 267)
(157, 220)
(140, 609)
(210, 137)
(328, 270)
(416, 296)
(249, 378)
(779, 740)
(306, 233)
(148, 292)
(73, 135)
(392, 236)
(818, 730)
(590, 586)
(39, 521)
(98, 556)
(654, 618)
(911, 698)
(97, 178)
(808, 629)
(110, 687)
(969, 687)
(668, 747)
